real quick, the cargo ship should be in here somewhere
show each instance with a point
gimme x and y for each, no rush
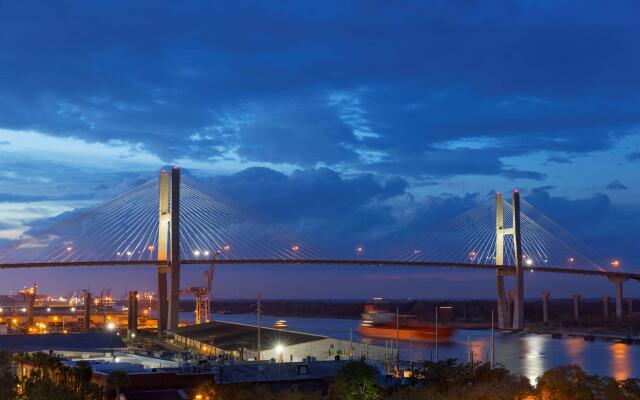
(382, 325)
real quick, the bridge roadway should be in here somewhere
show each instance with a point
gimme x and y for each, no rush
(373, 263)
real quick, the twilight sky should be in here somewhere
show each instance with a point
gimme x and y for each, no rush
(343, 120)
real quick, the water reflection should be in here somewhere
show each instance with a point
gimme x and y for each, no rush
(574, 348)
(533, 357)
(620, 360)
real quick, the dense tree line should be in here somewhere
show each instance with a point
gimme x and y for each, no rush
(447, 380)
(48, 378)
(560, 310)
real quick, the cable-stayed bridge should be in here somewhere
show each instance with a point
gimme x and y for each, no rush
(169, 222)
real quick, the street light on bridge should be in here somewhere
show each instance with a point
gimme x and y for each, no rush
(615, 263)
(359, 251)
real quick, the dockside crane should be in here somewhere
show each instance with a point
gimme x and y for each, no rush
(203, 296)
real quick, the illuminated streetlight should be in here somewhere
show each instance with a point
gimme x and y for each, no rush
(226, 247)
(48, 309)
(196, 253)
(69, 248)
(615, 263)
(111, 326)
(150, 248)
(472, 255)
(570, 260)
(359, 251)
(529, 261)
(206, 253)
(73, 309)
(129, 253)
(295, 248)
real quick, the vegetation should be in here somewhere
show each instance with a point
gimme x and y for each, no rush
(42, 377)
(48, 378)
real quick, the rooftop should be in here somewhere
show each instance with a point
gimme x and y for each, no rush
(97, 342)
(232, 336)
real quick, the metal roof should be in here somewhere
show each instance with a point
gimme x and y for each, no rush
(233, 336)
(77, 342)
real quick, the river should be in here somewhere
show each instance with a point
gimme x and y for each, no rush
(529, 355)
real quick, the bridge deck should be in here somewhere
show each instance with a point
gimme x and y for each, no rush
(373, 263)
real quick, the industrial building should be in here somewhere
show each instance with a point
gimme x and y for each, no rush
(248, 342)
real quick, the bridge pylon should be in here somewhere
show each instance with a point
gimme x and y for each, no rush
(169, 251)
(518, 309)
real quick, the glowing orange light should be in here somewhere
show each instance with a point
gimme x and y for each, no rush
(226, 247)
(295, 248)
(615, 263)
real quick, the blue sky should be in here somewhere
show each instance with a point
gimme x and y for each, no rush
(392, 113)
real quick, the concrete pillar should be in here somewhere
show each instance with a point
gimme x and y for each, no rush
(132, 325)
(618, 282)
(605, 304)
(503, 313)
(510, 307)
(576, 307)
(164, 219)
(545, 307)
(518, 307)
(174, 273)
(31, 301)
(87, 311)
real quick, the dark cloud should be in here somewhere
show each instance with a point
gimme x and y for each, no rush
(616, 185)
(261, 82)
(608, 228)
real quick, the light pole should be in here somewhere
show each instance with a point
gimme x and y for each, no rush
(437, 344)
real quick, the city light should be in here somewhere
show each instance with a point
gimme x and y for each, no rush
(279, 349)
(196, 253)
(69, 248)
(73, 309)
(111, 326)
(206, 252)
(615, 263)
(529, 261)
(150, 248)
(226, 247)
(48, 309)
(129, 253)
(295, 248)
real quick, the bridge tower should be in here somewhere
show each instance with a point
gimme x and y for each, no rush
(501, 232)
(169, 251)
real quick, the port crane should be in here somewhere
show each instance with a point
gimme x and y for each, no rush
(203, 296)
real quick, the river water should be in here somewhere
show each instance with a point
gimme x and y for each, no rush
(528, 355)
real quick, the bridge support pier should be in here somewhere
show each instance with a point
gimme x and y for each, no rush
(504, 313)
(174, 294)
(576, 307)
(605, 304)
(86, 324)
(132, 325)
(618, 282)
(545, 307)
(503, 310)
(630, 307)
(164, 220)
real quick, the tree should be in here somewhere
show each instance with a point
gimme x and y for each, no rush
(8, 378)
(116, 380)
(356, 381)
(22, 359)
(82, 374)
